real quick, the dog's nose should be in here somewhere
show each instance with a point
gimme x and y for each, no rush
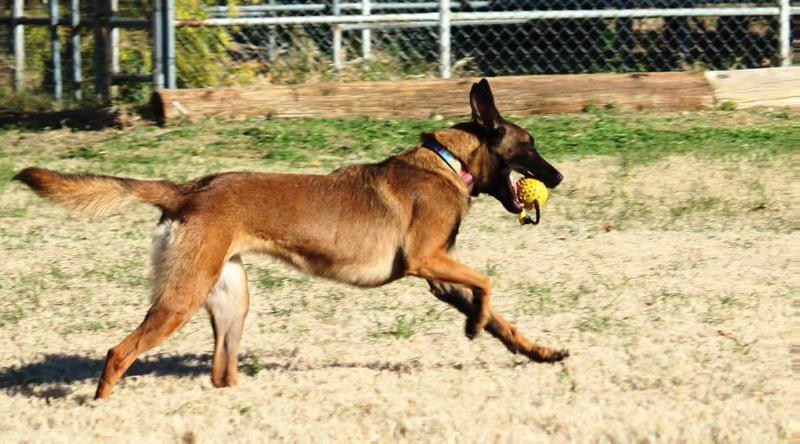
(559, 178)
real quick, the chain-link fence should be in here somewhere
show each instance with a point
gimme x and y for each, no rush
(50, 52)
(206, 43)
(249, 42)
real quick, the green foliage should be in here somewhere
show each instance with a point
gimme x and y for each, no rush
(303, 61)
(205, 53)
(24, 101)
(135, 56)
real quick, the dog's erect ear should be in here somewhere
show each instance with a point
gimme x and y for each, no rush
(484, 112)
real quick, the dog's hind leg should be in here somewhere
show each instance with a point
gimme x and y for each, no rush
(227, 305)
(461, 298)
(440, 266)
(186, 272)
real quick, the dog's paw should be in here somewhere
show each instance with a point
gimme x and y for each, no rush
(548, 355)
(559, 355)
(476, 323)
(471, 328)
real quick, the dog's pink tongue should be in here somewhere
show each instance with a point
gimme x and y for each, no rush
(514, 197)
(467, 178)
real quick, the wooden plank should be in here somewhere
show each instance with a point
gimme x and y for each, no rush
(517, 95)
(748, 88)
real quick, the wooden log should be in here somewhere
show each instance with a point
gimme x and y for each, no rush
(516, 96)
(747, 88)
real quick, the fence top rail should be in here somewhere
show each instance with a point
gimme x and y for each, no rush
(463, 18)
(269, 8)
(355, 6)
(488, 17)
(425, 24)
(474, 4)
(115, 22)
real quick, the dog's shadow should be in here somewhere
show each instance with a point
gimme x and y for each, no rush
(51, 377)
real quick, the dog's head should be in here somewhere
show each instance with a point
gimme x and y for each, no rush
(504, 149)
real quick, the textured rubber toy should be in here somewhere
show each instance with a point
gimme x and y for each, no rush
(530, 190)
(532, 194)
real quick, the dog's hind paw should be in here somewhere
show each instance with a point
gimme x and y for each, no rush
(543, 354)
(471, 328)
(475, 324)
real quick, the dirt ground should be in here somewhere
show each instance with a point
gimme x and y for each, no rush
(672, 284)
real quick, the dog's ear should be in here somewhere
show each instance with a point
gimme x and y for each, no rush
(484, 112)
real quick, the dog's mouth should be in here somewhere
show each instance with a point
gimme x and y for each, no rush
(507, 194)
(504, 188)
(515, 175)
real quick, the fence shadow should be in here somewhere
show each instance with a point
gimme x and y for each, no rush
(78, 119)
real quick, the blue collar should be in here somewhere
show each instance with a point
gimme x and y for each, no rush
(451, 161)
(445, 154)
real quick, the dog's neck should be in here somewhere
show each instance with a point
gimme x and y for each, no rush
(455, 148)
(451, 161)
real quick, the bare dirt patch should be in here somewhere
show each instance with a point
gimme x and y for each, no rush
(671, 283)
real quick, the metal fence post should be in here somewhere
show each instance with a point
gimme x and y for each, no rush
(158, 46)
(785, 33)
(444, 38)
(169, 44)
(55, 51)
(337, 38)
(272, 42)
(18, 35)
(366, 34)
(75, 43)
(113, 43)
(100, 65)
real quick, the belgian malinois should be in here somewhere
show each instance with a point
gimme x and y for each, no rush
(382, 222)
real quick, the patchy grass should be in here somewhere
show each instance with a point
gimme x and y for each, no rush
(664, 262)
(633, 138)
(406, 326)
(694, 205)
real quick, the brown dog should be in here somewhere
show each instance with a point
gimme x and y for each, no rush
(384, 221)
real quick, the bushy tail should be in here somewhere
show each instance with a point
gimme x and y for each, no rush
(97, 195)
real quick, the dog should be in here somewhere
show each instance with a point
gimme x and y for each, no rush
(383, 222)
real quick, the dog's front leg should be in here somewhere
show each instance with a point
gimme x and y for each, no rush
(461, 298)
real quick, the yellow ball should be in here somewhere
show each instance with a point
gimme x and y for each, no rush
(530, 190)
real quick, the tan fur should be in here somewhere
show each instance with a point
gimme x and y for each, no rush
(381, 222)
(227, 305)
(97, 195)
(94, 196)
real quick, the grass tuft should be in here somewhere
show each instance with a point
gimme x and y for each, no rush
(405, 326)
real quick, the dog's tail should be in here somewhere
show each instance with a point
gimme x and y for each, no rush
(96, 194)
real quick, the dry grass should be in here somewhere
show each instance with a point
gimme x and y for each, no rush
(679, 319)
